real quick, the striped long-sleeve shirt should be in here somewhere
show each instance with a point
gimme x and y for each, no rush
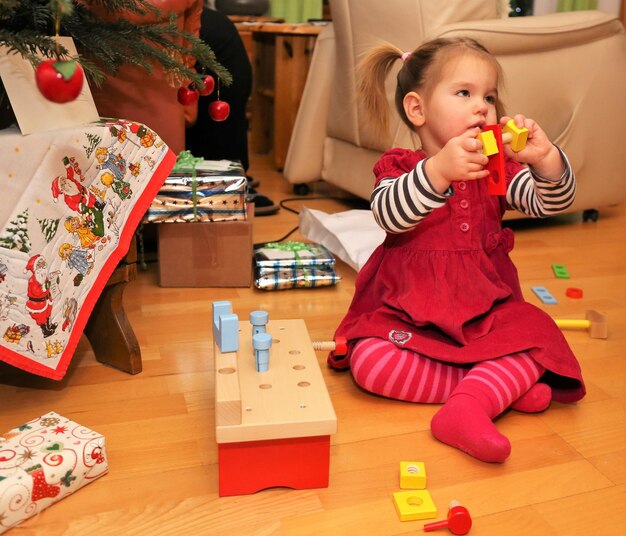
(400, 203)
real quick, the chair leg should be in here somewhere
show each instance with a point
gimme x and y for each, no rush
(110, 333)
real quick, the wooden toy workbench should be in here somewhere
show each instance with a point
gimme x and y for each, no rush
(272, 428)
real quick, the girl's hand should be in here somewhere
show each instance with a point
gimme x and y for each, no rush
(539, 153)
(460, 159)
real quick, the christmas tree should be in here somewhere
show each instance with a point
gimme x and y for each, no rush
(48, 227)
(29, 27)
(16, 234)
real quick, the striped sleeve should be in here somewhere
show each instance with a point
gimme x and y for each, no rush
(537, 197)
(400, 203)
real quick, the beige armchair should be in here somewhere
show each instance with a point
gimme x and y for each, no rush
(566, 70)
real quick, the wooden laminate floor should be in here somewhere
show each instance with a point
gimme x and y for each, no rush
(566, 474)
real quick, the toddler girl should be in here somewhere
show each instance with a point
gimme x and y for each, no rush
(438, 315)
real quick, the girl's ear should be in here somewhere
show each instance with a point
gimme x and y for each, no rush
(414, 108)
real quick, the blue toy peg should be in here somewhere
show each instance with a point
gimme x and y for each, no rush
(258, 319)
(261, 343)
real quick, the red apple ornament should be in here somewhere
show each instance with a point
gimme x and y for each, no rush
(59, 81)
(209, 85)
(219, 110)
(187, 96)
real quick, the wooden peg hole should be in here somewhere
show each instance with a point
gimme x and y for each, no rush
(304, 384)
(414, 501)
(265, 386)
(227, 370)
(294, 352)
(299, 367)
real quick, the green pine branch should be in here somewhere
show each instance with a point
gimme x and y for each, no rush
(27, 28)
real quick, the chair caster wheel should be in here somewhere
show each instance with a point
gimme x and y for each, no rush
(590, 214)
(301, 189)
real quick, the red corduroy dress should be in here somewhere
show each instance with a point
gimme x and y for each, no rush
(448, 289)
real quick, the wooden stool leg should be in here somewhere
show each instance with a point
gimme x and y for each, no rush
(110, 333)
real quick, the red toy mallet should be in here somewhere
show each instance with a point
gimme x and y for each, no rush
(458, 522)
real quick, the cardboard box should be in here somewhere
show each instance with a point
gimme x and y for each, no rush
(205, 254)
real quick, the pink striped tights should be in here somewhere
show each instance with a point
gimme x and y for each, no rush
(472, 396)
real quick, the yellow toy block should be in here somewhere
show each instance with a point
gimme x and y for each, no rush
(515, 136)
(412, 475)
(490, 145)
(414, 504)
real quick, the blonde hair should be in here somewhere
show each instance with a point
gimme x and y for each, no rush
(71, 223)
(65, 250)
(421, 70)
(107, 178)
(101, 154)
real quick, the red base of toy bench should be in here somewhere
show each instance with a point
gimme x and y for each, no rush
(298, 463)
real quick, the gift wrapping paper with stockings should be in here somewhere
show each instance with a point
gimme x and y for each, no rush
(43, 461)
(71, 201)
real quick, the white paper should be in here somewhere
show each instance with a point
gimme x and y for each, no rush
(352, 235)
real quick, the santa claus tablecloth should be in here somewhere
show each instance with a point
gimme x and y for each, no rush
(43, 461)
(71, 201)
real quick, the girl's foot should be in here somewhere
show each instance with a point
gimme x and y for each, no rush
(536, 399)
(464, 424)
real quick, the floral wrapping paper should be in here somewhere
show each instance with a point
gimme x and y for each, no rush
(71, 201)
(220, 195)
(286, 265)
(44, 461)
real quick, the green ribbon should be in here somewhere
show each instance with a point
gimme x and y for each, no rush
(185, 161)
(294, 247)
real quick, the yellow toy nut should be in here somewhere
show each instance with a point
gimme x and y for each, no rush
(488, 139)
(414, 504)
(519, 135)
(412, 475)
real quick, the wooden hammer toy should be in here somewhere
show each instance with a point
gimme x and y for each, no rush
(492, 138)
(594, 321)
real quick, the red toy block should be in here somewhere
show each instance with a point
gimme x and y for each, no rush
(496, 181)
(298, 463)
(575, 293)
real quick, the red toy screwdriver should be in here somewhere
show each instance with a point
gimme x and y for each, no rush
(458, 522)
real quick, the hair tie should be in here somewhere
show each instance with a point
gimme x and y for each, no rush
(405, 56)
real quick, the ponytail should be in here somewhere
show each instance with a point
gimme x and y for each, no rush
(372, 71)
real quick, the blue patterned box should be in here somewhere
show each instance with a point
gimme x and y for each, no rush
(285, 265)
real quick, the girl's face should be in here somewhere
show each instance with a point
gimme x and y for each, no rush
(464, 98)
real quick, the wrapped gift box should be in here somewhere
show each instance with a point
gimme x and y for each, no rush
(285, 265)
(44, 461)
(220, 192)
